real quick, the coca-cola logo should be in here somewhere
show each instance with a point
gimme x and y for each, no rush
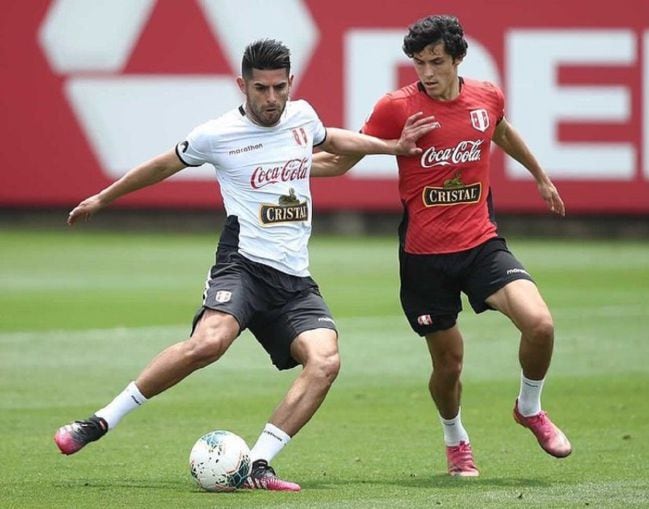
(293, 169)
(464, 152)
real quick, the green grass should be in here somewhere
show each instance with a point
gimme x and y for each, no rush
(81, 313)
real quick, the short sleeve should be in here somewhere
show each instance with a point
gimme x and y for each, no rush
(318, 131)
(194, 149)
(385, 120)
(501, 104)
(499, 101)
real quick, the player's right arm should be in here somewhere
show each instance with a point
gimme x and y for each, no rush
(146, 174)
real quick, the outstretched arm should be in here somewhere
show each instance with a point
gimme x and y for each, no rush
(146, 174)
(344, 142)
(507, 138)
(345, 148)
(325, 164)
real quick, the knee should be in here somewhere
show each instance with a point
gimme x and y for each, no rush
(448, 365)
(540, 329)
(324, 369)
(206, 346)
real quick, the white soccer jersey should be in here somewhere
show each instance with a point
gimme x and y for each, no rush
(263, 173)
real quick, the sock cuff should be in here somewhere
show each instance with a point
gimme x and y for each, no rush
(135, 394)
(275, 432)
(455, 420)
(531, 383)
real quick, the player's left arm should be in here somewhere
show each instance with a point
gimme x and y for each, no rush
(325, 164)
(344, 142)
(507, 138)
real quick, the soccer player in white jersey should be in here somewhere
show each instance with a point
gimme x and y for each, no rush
(261, 152)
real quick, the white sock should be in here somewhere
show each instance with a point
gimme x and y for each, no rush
(270, 442)
(529, 397)
(454, 432)
(129, 399)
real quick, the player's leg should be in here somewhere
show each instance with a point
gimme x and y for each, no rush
(212, 336)
(227, 295)
(430, 297)
(446, 349)
(317, 351)
(521, 301)
(497, 280)
(301, 332)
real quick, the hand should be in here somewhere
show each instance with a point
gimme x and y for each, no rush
(551, 196)
(85, 209)
(414, 128)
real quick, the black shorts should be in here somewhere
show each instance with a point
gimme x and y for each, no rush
(431, 284)
(275, 306)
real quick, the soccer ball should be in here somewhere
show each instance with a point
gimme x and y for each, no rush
(220, 461)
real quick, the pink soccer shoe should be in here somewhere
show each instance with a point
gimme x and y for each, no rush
(550, 438)
(74, 436)
(460, 461)
(263, 477)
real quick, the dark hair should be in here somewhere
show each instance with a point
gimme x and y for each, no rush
(265, 54)
(432, 30)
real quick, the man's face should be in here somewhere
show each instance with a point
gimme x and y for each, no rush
(437, 71)
(266, 94)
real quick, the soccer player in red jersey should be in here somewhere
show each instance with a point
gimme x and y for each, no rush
(448, 238)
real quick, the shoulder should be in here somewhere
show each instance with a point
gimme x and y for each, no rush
(206, 136)
(484, 88)
(397, 102)
(406, 93)
(301, 108)
(220, 124)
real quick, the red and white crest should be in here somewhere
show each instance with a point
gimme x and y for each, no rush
(424, 320)
(480, 119)
(223, 296)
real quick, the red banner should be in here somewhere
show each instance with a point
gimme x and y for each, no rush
(90, 89)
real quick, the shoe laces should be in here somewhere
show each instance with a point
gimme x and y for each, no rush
(90, 428)
(261, 469)
(541, 422)
(461, 454)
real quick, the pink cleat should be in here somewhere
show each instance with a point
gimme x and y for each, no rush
(263, 477)
(550, 438)
(460, 460)
(72, 437)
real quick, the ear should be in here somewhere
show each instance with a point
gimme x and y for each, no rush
(242, 84)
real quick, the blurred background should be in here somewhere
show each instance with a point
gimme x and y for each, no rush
(91, 88)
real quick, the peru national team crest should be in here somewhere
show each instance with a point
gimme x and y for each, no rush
(480, 119)
(424, 320)
(223, 296)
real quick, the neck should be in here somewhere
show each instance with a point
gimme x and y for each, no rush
(256, 120)
(451, 93)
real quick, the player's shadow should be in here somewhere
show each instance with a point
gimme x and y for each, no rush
(103, 484)
(440, 481)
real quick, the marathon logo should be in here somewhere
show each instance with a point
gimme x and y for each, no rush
(270, 214)
(440, 196)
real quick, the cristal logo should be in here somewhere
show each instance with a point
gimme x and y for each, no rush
(90, 44)
(294, 169)
(464, 152)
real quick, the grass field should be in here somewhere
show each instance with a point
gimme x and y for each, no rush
(82, 312)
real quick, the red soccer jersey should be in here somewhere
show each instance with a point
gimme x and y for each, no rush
(445, 191)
